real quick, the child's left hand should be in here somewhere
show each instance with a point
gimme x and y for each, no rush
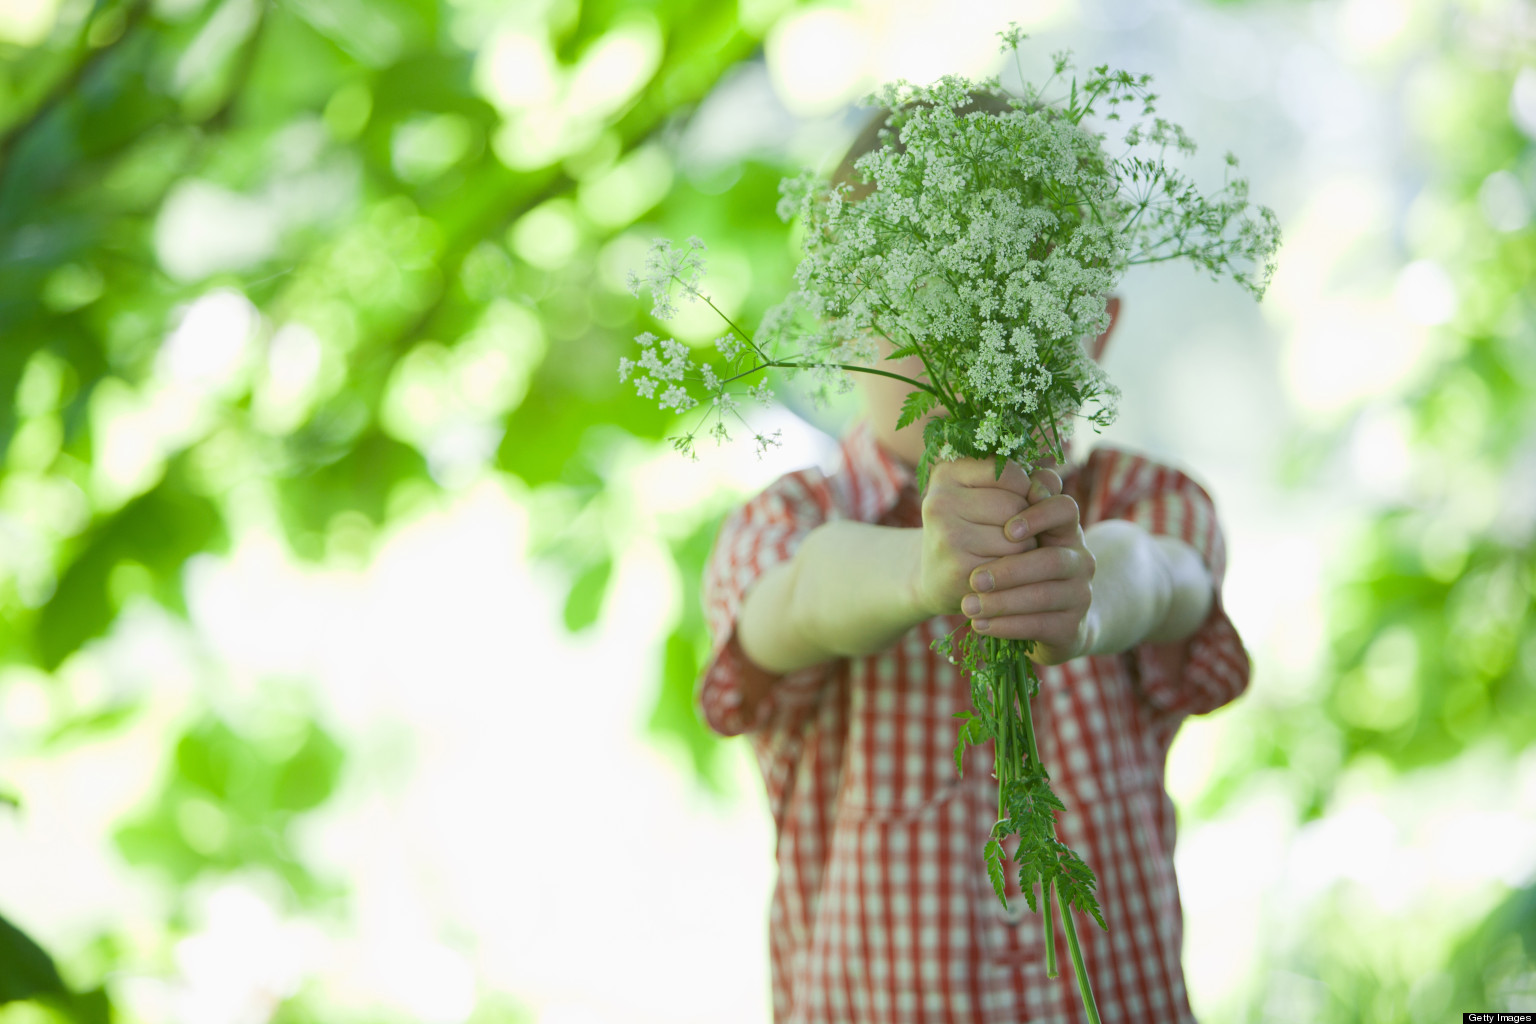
(1044, 594)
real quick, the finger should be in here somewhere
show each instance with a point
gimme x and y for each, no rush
(986, 505)
(1050, 596)
(1058, 629)
(1054, 520)
(983, 473)
(984, 542)
(1029, 567)
(1045, 482)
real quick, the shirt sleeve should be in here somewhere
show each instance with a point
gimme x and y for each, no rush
(734, 694)
(1209, 668)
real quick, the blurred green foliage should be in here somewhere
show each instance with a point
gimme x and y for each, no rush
(27, 974)
(228, 800)
(395, 254)
(1431, 624)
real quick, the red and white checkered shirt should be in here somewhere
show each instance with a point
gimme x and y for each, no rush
(882, 912)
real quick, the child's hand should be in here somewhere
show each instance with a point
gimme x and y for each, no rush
(964, 512)
(1043, 592)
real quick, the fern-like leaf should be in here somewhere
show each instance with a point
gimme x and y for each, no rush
(994, 855)
(914, 406)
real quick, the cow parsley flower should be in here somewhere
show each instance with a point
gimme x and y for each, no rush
(985, 239)
(729, 346)
(767, 441)
(677, 398)
(668, 271)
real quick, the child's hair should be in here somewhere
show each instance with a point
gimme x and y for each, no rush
(868, 140)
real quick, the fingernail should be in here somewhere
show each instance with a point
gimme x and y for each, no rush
(981, 625)
(1038, 493)
(983, 581)
(1017, 529)
(971, 605)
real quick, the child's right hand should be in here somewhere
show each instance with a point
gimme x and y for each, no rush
(964, 511)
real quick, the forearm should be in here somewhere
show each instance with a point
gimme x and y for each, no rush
(1146, 588)
(850, 590)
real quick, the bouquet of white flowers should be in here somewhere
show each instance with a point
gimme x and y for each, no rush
(986, 244)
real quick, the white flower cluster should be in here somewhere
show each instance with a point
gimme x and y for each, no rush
(669, 270)
(995, 230)
(989, 244)
(668, 364)
(666, 370)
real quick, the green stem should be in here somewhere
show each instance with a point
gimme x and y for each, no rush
(1025, 668)
(1001, 749)
(1050, 419)
(1022, 664)
(1083, 987)
(743, 335)
(1050, 929)
(780, 365)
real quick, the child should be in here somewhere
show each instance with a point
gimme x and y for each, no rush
(824, 594)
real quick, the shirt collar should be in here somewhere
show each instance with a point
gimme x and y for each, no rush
(881, 477)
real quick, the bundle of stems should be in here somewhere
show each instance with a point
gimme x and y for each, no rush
(1002, 688)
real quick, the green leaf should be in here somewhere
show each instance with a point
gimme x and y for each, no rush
(977, 731)
(93, 724)
(215, 760)
(1075, 883)
(960, 741)
(914, 406)
(90, 1007)
(158, 530)
(336, 466)
(1029, 876)
(26, 972)
(585, 600)
(933, 439)
(308, 778)
(994, 856)
(904, 351)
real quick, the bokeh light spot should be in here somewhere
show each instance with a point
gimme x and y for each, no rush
(207, 349)
(27, 22)
(423, 148)
(348, 110)
(614, 68)
(547, 236)
(627, 190)
(1504, 202)
(816, 57)
(204, 229)
(517, 71)
(1522, 101)
(1424, 293)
